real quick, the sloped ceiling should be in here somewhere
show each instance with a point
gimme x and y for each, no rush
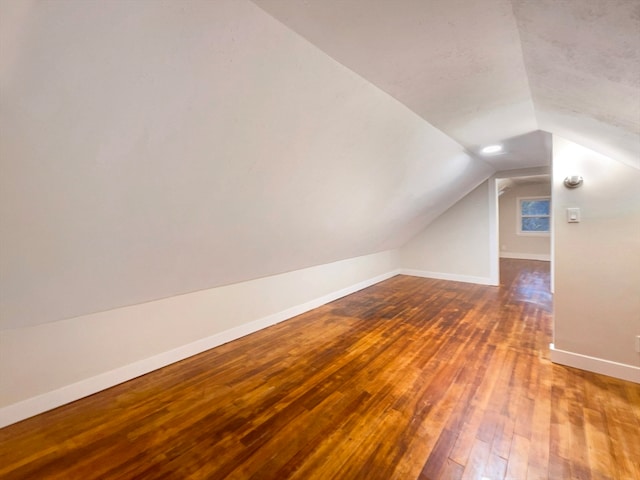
(155, 148)
(457, 64)
(487, 71)
(583, 63)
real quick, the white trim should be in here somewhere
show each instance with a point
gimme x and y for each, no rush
(41, 403)
(597, 365)
(454, 277)
(494, 233)
(552, 249)
(524, 172)
(545, 257)
(533, 234)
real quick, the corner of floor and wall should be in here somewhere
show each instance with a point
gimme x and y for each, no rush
(596, 263)
(47, 365)
(596, 300)
(76, 357)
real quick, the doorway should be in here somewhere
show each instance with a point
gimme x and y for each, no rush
(524, 217)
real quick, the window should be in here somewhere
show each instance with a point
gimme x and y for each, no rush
(534, 215)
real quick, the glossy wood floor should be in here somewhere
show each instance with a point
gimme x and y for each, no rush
(411, 378)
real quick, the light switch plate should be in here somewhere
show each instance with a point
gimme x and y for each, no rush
(573, 215)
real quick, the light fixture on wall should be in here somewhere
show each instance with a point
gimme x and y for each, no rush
(573, 181)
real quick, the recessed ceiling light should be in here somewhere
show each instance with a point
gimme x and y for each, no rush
(492, 149)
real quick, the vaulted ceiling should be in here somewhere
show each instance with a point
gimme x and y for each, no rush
(493, 71)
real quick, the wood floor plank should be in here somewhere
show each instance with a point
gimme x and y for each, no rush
(518, 458)
(452, 471)
(478, 460)
(540, 428)
(496, 467)
(411, 378)
(439, 455)
(598, 443)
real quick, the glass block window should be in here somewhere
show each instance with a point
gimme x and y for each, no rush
(534, 215)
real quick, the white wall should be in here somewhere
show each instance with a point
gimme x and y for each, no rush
(512, 244)
(457, 245)
(150, 149)
(46, 365)
(162, 161)
(597, 262)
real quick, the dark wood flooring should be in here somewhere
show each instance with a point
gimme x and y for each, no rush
(409, 379)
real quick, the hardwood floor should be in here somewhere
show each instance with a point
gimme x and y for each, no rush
(409, 379)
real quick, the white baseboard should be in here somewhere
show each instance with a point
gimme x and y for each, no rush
(448, 276)
(596, 365)
(545, 257)
(47, 401)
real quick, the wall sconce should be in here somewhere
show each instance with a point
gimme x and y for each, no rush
(574, 181)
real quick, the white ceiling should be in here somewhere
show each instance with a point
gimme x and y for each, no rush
(493, 71)
(583, 62)
(522, 151)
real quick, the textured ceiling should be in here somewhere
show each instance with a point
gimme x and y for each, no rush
(583, 63)
(491, 71)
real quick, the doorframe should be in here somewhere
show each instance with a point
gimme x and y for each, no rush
(494, 225)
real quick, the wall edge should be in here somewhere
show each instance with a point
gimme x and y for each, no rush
(454, 277)
(621, 371)
(30, 407)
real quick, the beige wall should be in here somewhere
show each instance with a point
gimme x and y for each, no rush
(513, 245)
(596, 261)
(456, 245)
